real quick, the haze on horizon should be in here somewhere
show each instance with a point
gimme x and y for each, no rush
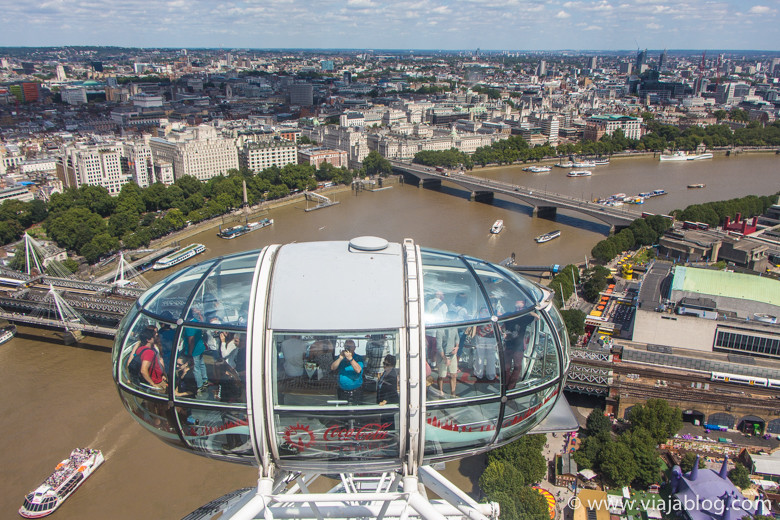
(404, 24)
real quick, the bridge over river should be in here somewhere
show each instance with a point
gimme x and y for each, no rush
(545, 203)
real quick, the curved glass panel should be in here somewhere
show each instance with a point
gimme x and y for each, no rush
(224, 295)
(462, 362)
(146, 296)
(342, 370)
(326, 436)
(170, 302)
(505, 297)
(121, 333)
(451, 292)
(152, 414)
(524, 412)
(219, 433)
(534, 292)
(563, 333)
(462, 427)
(535, 361)
(210, 365)
(141, 365)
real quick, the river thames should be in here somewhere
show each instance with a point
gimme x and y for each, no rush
(58, 398)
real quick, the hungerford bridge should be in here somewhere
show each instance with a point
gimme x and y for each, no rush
(545, 203)
(59, 301)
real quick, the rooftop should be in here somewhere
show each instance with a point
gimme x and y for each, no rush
(727, 284)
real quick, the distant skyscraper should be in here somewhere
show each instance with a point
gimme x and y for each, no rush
(97, 66)
(541, 70)
(641, 59)
(347, 77)
(327, 65)
(594, 62)
(61, 73)
(662, 60)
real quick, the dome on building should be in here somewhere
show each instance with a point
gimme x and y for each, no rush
(353, 356)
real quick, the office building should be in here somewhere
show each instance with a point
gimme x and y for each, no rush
(94, 165)
(74, 95)
(317, 156)
(606, 124)
(196, 151)
(257, 156)
(301, 94)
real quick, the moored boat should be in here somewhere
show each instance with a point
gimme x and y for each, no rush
(498, 225)
(699, 185)
(546, 237)
(683, 156)
(66, 478)
(567, 164)
(7, 333)
(237, 231)
(179, 256)
(579, 173)
(601, 162)
(584, 164)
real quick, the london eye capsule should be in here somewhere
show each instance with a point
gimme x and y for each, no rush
(342, 356)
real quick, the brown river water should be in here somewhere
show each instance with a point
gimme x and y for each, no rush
(60, 397)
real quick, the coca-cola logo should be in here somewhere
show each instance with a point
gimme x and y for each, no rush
(299, 436)
(369, 432)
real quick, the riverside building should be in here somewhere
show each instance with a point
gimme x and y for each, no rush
(198, 151)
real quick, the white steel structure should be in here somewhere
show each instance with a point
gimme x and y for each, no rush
(332, 355)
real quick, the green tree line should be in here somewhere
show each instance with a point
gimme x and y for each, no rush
(93, 223)
(658, 138)
(641, 232)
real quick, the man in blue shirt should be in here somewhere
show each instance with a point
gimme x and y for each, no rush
(350, 373)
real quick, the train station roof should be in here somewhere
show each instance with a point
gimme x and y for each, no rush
(727, 284)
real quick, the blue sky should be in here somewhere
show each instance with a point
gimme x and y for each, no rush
(391, 24)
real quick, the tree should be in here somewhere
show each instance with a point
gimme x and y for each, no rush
(740, 476)
(656, 416)
(524, 454)
(597, 422)
(688, 460)
(617, 463)
(375, 164)
(574, 319)
(643, 446)
(502, 483)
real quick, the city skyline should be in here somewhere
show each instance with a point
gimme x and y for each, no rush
(413, 24)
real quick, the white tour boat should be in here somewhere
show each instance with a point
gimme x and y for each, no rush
(546, 237)
(584, 164)
(7, 333)
(683, 156)
(498, 225)
(579, 173)
(179, 256)
(67, 477)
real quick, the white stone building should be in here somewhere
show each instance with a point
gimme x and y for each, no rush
(95, 165)
(198, 151)
(257, 156)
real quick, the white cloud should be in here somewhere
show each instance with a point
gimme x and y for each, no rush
(653, 26)
(760, 9)
(562, 14)
(360, 3)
